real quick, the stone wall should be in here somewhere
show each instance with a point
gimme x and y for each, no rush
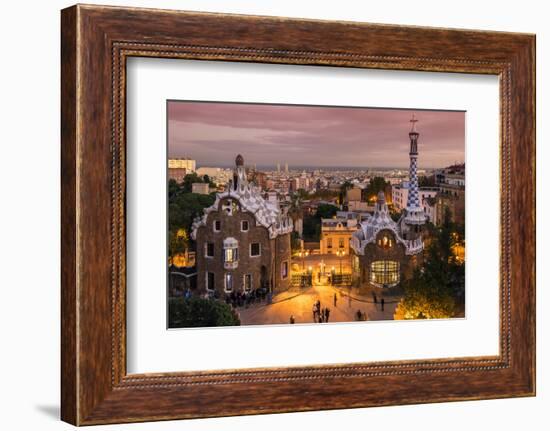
(230, 226)
(373, 252)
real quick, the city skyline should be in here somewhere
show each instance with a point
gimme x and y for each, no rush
(305, 136)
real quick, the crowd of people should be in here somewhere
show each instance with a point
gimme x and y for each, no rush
(321, 314)
(244, 299)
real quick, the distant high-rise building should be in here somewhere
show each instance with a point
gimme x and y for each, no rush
(177, 174)
(182, 163)
(286, 168)
(278, 167)
(179, 168)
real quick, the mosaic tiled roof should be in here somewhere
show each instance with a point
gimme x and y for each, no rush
(249, 196)
(381, 220)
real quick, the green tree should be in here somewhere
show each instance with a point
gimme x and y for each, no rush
(324, 194)
(426, 181)
(312, 224)
(301, 195)
(437, 289)
(207, 179)
(311, 228)
(183, 208)
(376, 185)
(197, 312)
(173, 188)
(326, 211)
(425, 299)
(178, 242)
(188, 181)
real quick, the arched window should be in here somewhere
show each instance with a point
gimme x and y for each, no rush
(384, 273)
(385, 241)
(228, 282)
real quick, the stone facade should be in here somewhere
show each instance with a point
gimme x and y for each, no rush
(384, 256)
(336, 235)
(242, 242)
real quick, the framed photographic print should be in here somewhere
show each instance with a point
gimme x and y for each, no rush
(325, 214)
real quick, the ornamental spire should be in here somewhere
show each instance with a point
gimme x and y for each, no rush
(413, 136)
(413, 121)
(415, 214)
(239, 175)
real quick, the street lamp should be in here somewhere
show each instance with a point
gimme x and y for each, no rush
(340, 254)
(303, 254)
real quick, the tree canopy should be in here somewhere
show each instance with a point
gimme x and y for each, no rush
(437, 289)
(426, 181)
(193, 177)
(312, 224)
(376, 185)
(197, 312)
(183, 208)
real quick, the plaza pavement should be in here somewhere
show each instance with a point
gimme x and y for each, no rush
(299, 303)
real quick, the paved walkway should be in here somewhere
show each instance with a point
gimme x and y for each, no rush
(299, 303)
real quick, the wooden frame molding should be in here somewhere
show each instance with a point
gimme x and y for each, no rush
(96, 42)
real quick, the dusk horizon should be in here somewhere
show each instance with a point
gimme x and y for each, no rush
(213, 133)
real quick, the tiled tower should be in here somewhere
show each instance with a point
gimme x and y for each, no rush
(414, 213)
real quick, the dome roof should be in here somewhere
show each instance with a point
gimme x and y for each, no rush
(381, 220)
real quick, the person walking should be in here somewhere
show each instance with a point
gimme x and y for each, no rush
(314, 311)
(335, 299)
(292, 321)
(382, 304)
(327, 314)
(374, 298)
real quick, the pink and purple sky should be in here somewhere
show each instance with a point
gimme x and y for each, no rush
(214, 133)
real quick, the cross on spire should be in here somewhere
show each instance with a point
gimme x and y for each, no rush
(414, 120)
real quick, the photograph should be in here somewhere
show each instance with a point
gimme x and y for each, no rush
(302, 214)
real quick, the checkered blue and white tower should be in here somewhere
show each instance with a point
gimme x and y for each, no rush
(414, 213)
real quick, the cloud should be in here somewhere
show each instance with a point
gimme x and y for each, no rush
(213, 133)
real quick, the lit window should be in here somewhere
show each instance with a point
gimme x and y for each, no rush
(255, 249)
(244, 226)
(284, 270)
(209, 249)
(228, 281)
(384, 273)
(341, 243)
(385, 242)
(230, 253)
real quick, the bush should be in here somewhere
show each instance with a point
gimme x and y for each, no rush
(198, 312)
